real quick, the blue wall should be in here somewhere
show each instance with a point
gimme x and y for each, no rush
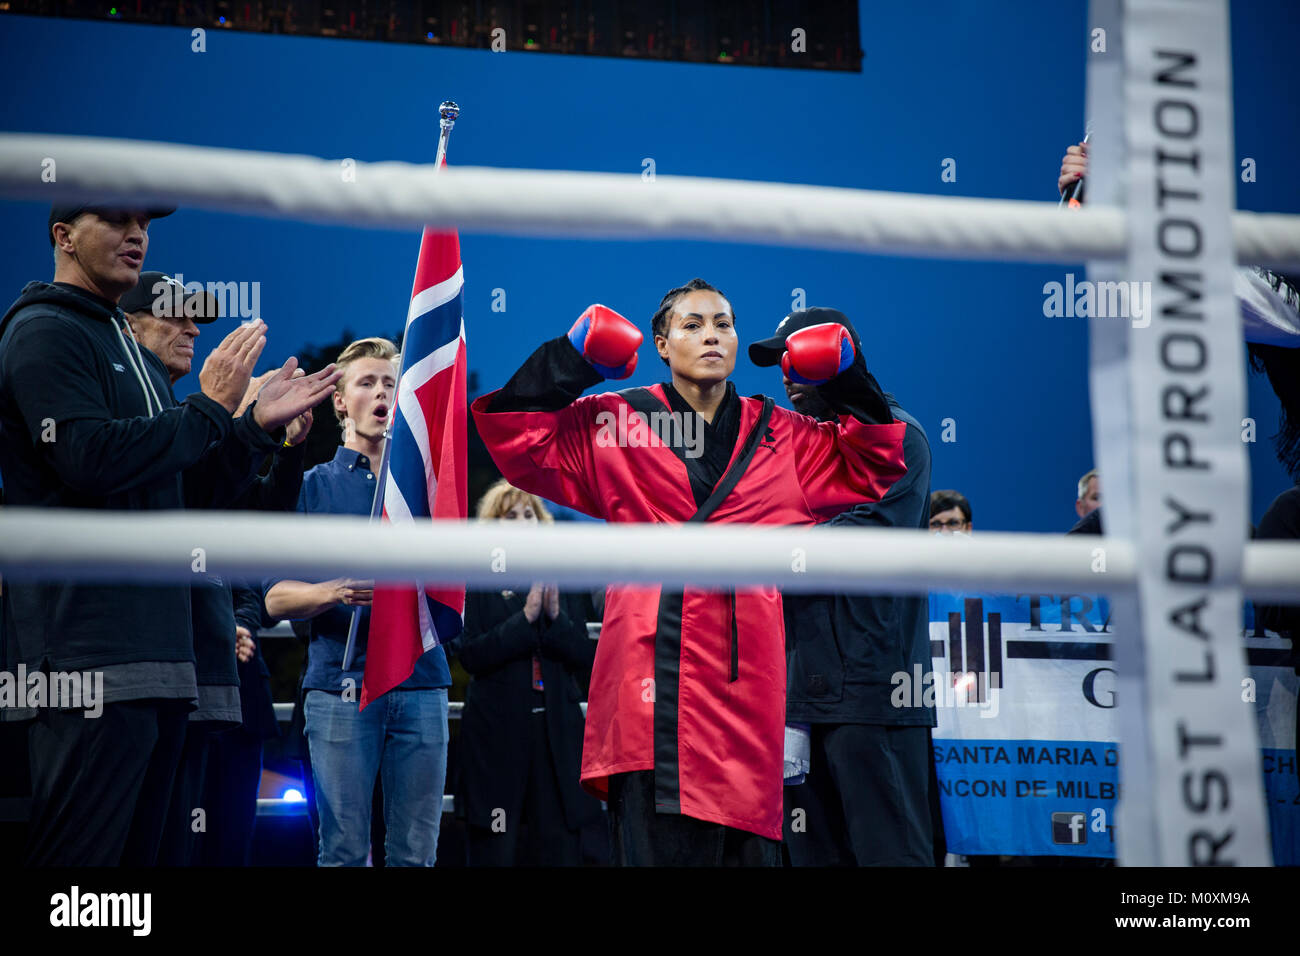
(999, 88)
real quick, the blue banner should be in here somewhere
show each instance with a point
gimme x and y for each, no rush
(1026, 747)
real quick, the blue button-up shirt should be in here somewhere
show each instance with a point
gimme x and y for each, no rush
(346, 486)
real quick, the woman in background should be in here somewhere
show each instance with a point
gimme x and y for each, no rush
(521, 732)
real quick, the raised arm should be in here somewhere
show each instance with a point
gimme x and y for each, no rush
(907, 503)
(860, 456)
(69, 420)
(278, 490)
(229, 466)
(226, 477)
(537, 429)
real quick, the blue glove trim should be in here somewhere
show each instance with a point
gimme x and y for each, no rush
(846, 354)
(578, 334)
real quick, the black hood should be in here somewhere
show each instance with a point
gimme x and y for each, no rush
(82, 303)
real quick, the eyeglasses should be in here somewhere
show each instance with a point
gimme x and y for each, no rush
(953, 523)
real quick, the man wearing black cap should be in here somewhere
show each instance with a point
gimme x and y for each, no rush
(87, 420)
(165, 318)
(865, 796)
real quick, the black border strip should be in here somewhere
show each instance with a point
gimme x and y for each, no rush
(668, 656)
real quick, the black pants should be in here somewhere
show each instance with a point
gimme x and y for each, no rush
(865, 801)
(101, 786)
(541, 829)
(936, 807)
(298, 743)
(180, 840)
(230, 798)
(644, 837)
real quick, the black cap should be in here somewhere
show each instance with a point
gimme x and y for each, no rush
(161, 295)
(769, 351)
(70, 211)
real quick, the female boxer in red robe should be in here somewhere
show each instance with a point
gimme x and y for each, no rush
(686, 713)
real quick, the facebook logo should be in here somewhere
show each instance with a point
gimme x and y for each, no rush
(1069, 828)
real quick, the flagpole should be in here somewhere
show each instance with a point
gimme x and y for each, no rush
(448, 111)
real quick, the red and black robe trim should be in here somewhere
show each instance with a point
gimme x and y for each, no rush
(668, 636)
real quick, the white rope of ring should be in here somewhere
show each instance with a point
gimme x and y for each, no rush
(39, 544)
(584, 204)
(42, 544)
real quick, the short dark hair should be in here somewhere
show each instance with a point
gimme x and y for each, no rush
(71, 220)
(659, 324)
(943, 500)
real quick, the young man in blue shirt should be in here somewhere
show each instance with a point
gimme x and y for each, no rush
(401, 736)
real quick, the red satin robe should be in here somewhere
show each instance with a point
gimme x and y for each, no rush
(669, 692)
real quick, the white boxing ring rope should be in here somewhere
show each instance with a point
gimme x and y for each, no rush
(42, 544)
(38, 544)
(586, 204)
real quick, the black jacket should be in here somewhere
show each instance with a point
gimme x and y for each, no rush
(843, 650)
(212, 601)
(497, 648)
(1088, 524)
(76, 432)
(255, 698)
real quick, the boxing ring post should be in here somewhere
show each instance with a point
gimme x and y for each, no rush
(1176, 477)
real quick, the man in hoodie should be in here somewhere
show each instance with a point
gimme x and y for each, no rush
(87, 420)
(165, 319)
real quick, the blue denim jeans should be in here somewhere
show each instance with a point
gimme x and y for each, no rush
(402, 736)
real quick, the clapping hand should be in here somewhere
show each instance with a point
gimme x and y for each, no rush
(285, 396)
(533, 603)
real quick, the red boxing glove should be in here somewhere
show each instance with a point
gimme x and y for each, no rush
(815, 355)
(607, 341)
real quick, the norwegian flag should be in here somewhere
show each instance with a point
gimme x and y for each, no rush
(425, 476)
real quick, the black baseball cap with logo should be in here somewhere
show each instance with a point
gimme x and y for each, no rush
(159, 294)
(769, 351)
(67, 212)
